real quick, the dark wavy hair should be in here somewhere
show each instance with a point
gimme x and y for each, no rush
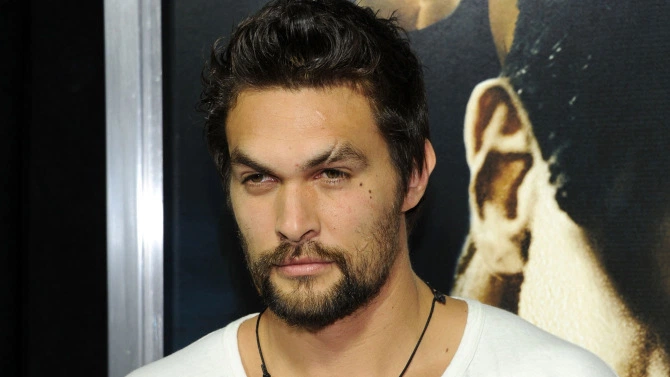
(317, 44)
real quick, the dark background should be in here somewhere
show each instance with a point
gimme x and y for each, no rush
(53, 319)
(206, 281)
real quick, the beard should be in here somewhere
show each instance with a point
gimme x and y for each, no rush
(364, 273)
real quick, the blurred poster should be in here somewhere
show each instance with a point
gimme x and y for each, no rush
(549, 118)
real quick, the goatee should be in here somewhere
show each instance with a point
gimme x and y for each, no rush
(361, 281)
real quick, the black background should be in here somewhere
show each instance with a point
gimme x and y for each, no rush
(52, 189)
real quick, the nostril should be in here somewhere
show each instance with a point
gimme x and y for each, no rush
(297, 238)
(282, 237)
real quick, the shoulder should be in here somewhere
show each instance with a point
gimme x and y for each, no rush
(510, 343)
(215, 354)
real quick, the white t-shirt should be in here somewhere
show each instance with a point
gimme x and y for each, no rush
(495, 343)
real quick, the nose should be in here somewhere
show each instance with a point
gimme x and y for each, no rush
(297, 218)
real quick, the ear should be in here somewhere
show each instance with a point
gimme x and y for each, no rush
(501, 152)
(419, 179)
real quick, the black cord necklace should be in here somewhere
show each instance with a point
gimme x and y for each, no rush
(437, 297)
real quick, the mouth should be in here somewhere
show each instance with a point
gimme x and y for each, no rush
(303, 266)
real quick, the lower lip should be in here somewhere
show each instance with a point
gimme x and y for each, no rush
(305, 269)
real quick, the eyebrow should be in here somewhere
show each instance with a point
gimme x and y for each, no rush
(237, 157)
(341, 152)
(337, 153)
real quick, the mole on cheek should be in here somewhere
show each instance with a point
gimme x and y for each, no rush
(361, 184)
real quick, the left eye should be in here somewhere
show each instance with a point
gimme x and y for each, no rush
(334, 174)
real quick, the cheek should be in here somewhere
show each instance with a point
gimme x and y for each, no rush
(352, 212)
(336, 215)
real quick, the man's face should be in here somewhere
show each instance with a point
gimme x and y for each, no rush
(316, 199)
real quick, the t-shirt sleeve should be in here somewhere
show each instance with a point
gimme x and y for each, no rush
(511, 346)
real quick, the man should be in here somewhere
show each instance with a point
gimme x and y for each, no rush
(569, 185)
(316, 120)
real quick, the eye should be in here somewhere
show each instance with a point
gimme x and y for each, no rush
(332, 176)
(256, 179)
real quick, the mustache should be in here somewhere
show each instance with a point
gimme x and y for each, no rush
(315, 249)
(260, 268)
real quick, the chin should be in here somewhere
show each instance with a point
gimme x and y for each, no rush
(313, 307)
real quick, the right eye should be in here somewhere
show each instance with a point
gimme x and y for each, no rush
(257, 178)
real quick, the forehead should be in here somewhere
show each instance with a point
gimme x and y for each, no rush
(276, 120)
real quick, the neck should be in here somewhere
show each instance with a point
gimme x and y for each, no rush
(369, 342)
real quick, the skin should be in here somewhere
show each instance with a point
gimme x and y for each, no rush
(334, 201)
